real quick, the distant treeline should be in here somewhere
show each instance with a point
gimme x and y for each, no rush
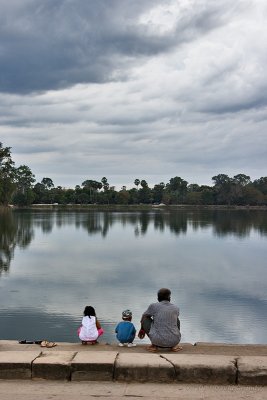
(18, 186)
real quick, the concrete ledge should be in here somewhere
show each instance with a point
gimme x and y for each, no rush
(206, 369)
(252, 370)
(93, 366)
(230, 349)
(143, 368)
(53, 365)
(15, 365)
(200, 364)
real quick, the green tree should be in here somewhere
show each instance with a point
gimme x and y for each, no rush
(222, 188)
(144, 183)
(157, 192)
(70, 196)
(123, 197)
(105, 184)
(133, 196)
(193, 187)
(194, 198)
(177, 188)
(83, 198)
(46, 192)
(24, 178)
(241, 179)
(59, 195)
(137, 183)
(7, 175)
(207, 194)
(48, 183)
(91, 187)
(144, 194)
(253, 196)
(177, 184)
(39, 192)
(221, 180)
(261, 184)
(231, 190)
(95, 185)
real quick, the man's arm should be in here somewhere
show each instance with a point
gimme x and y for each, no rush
(146, 321)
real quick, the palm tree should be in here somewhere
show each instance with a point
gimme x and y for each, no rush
(137, 182)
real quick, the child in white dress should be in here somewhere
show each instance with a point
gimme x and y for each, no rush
(90, 330)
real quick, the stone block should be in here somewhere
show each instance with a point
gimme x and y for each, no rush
(252, 370)
(143, 368)
(53, 365)
(93, 366)
(204, 369)
(17, 364)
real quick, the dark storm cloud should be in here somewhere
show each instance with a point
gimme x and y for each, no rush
(59, 43)
(54, 44)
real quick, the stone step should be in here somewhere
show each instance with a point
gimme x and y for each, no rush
(96, 365)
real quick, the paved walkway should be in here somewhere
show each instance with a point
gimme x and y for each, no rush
(202, 363)
(57, 390)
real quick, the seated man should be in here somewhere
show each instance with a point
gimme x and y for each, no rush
(161, 323)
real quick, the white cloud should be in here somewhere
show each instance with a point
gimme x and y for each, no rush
(180, 91)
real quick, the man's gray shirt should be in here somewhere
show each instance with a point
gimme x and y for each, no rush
(164, 331)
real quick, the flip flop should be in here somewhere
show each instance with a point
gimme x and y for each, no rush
(152, 349)
(176, 348)
(51, 344)
(30, 341)
(26, 342)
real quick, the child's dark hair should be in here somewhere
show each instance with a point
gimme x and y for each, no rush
(89, 311)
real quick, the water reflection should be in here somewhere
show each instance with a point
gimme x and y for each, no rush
(17, 228)
(214, 262)
(237, 222)
(13, 233)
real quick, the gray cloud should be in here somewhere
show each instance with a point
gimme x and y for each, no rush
(56, 44)
(154, 89)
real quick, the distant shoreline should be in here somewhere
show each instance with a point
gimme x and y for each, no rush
(135, 207)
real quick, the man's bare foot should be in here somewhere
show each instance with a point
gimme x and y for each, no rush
(152, 348)
(176, 348)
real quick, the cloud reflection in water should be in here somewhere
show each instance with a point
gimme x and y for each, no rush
(214, 262)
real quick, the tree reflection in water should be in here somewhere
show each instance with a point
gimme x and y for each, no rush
(15, 230)
(17, 227)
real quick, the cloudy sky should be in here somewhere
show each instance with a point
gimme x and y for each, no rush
(134, 89)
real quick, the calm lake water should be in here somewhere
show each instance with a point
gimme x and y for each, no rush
(53, 263)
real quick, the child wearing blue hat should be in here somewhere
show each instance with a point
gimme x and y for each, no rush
(125, 330)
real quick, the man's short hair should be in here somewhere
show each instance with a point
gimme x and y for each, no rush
(164, 294)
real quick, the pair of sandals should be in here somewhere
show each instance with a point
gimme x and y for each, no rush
(47, 344)
(154, 349)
